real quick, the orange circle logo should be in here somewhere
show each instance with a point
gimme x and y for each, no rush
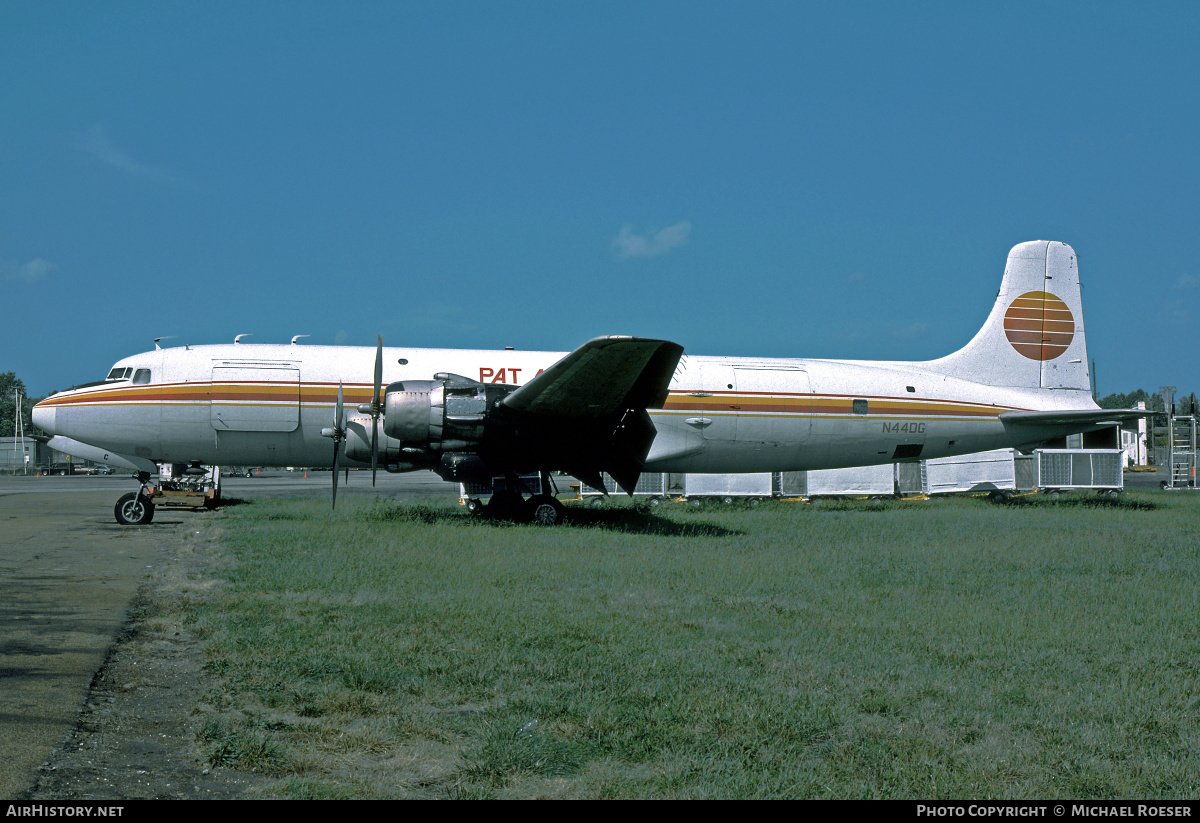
(1039, 325)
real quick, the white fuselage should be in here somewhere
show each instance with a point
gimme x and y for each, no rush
(265, 404)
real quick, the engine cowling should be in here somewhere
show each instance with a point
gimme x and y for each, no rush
(358, 442)
(448, 413)
(392, 454)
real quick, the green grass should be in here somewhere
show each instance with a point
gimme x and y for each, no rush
(947, 649)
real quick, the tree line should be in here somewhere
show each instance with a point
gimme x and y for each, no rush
(8, 405)
(1184, 404)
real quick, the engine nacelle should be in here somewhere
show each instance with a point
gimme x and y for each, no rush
(358, 441)
(448, 413)
(392, 457)
(414, 412)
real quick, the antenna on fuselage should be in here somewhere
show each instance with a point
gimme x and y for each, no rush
(297, 337)
(237, 341)
(157, 340)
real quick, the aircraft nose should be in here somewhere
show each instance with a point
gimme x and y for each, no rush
(43, 418)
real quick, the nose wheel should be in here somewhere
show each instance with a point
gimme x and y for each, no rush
(134, 509)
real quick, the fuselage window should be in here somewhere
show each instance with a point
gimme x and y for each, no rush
(860, 406)
(141, 376)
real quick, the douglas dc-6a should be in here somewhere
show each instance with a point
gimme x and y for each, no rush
(620, 405)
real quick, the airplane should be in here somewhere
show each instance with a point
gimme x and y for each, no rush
(617, 404)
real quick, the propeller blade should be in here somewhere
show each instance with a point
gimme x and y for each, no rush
(375, 410)
(336, 449)
(374, 449)
(337, 439)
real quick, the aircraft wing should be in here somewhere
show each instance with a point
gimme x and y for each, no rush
(1085, 418)
(602, 377)
(588, 411)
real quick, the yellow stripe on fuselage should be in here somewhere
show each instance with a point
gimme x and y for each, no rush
(323, 395)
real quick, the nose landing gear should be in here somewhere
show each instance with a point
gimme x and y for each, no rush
(180, 486)
(134, 509)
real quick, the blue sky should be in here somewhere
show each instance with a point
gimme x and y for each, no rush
(779, 179)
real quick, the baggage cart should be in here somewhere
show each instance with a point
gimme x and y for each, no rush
(1067, 469)
(980, 472)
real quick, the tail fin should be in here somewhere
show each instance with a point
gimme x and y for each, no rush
(1034, 336)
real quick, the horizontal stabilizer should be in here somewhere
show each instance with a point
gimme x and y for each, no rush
(1085, 418)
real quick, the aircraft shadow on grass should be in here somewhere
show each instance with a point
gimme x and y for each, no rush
(625, 520)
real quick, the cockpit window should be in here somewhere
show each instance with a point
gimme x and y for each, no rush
(141, 376)
(120, 374)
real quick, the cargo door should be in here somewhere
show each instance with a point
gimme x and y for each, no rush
(774, 404)
(255, 398)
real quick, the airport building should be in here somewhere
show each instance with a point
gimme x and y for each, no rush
(19, 453)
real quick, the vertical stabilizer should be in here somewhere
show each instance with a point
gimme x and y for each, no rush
(1034, 336)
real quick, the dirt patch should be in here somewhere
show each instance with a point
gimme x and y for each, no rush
(136, 733)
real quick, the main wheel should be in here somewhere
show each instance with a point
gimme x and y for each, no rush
(507, 505)
(134, 509)
(545, 510)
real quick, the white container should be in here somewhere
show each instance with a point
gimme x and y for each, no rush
(757, 484)
(649, 484)
(858, 481)
(483, 491)
(1079, 469)
(964, 473)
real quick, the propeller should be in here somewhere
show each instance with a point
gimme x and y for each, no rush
(375, 408)
(338, 433)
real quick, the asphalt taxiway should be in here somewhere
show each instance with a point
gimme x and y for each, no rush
(68, 574)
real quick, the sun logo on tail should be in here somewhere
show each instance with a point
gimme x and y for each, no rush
(1039, 325)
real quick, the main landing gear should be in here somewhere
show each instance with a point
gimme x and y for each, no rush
(545, 510)
(509, 502)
